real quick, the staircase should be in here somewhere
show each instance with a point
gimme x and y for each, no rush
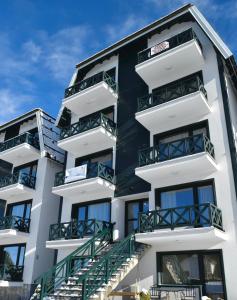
(94, 276)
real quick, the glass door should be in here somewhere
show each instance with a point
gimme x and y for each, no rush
(132, 210)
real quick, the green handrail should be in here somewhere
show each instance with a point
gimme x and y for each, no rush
(59, 273)
(101, 271)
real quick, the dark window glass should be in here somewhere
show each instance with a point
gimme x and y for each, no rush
(22, 210)
(27, 169)
(133, 209)
(104, 157)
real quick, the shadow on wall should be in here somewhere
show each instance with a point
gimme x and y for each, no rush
(17, 293)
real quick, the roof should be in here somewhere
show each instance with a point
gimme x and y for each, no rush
(22, 117)
(188, 8)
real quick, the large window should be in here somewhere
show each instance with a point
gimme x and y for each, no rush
(183, 195)
(12, 262)
(99, 211)
(28, 169)
(104, 157)
(22, 209)
(193, 268)
(132, 210)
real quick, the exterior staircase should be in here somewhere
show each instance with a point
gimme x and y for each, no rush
(91, 276)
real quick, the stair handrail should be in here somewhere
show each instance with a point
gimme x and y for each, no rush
(47, 283)
(106, 266)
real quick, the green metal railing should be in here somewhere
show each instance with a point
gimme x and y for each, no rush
(102, 271)
(174, 41)
(89, 82)
(18, 177)
(181, 147)
(15, 222)
(70, 265)
(202, 215)
(171, 91)
(20, 139)
(87, 124)
(11, 272)
(93, 170)
(178, 291)
(77, 229)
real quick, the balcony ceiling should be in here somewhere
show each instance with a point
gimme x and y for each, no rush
(90, 141)
(179, 170)
(20, 154)
(92, 99)
(13, 236)
(71, 244)
(175, 113)
(176, 63)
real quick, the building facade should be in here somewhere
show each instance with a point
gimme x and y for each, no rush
(30, 158)
(149, 184)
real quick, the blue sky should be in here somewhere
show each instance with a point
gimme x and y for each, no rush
(41, 41)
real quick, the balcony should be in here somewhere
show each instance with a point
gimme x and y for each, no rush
(17, 186)
(185, 160)
(21, 149)
(178, 291)
(92, 94)
(11, 272)
(199, 223)
(94, 134)
(98, 182)
(14, 229)
(174, 105)
(74, 233)
(171, 59)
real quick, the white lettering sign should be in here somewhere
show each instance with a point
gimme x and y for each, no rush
(77, 173)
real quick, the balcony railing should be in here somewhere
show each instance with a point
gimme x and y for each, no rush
(14, 222)
(93, 170)
(87, 124)
(182, 147)
(202, 215)
(178, 291)
(172, 91)
(11, 272)
(18, 177)
(171, 43)
(89, 82)
(77, 229)
(20, 139)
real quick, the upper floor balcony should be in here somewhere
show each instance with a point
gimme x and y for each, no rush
(17, 186)
(14, 229)
(21, 149)
(90, 135)
(75, 232)
(174, 105)
(91, 94)
(184, 160)
(199, 223)
(86, 182)
(171, 59)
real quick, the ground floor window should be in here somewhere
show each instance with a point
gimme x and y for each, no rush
(132, 210)
(12, 262)
(203, 268)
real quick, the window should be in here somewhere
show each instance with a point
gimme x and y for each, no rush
(12, 258)
(193, 268)
(22, 209)
(132, 210)
(28, 169)
(104, 157)
(99, 211)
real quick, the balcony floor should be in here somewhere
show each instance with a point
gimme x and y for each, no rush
(179, 170)
(16, 192)
(184, 238)
(86, 190)
(90, 141)
(171, 65)
(92, 99)
(13, 236)
(20, 154)
(173, 114)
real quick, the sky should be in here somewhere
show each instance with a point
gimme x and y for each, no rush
(42, 41)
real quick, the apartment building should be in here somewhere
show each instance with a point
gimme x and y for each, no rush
(150, 180)
(30, 158)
